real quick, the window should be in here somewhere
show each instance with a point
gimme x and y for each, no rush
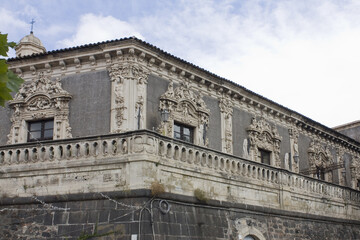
(358, 183)
(320, 173)
(183, 132)
(40, 130)
(264, 156)
(248, 237)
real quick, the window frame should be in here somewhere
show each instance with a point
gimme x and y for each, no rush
(320, 173)
(182, 135)
(42, 130)
(262, 153)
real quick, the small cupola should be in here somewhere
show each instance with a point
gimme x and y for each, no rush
(29, 45)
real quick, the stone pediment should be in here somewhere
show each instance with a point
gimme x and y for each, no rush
(184, 97)
(41, 85)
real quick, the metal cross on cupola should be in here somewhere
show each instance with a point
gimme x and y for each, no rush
(32, 25)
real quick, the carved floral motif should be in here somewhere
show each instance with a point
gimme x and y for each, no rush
(128, 105)
(38, 99)
(185, 106)
(355, 171)
(262, 135)
(319, 156)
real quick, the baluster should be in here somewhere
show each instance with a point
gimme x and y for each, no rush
(34, 155)
(105, 148)
(191, 156)
(2, 157)
(7, 158)
(183, 154)
(210, 161)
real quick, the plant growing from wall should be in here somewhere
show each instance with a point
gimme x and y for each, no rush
(9, 82)
(200, 195)
(157, 188)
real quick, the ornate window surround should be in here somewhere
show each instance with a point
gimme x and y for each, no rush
(264, 136)
(39, 99)
(320, 157)
(187, 107)
(355, 171)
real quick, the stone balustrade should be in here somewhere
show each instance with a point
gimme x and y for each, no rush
(171, 152)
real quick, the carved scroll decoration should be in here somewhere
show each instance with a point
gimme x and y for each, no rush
(129, 82)
(226, 112)
(187, 107)
(39, 99)
(262, 135)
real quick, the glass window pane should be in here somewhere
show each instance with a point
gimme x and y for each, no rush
(249, 238)
(49, 125)
(34, 135)
(186, 131)
(48, 134)
(177, 135)
(187, 138)
(176, 128)
(35, 126)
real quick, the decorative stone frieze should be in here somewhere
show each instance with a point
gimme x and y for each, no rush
(36, 100)
(294, 150)
(128, 105)
(264, 136)
(187, 107)
(226, 112)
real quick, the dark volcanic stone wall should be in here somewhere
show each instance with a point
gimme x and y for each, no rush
(105, 219)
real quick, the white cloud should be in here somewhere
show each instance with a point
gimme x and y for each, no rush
(96, 28)
(11, 23)
(301, 54)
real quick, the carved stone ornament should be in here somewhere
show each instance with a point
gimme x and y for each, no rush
(294, 150)
(264, 136)
(226, 111)
(319, 157)
(39, 99)
(355, 171)
(187, 107)
(129, 81)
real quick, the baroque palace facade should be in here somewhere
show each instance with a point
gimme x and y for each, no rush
(121, 140)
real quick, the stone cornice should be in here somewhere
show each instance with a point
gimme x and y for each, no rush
(99, 56)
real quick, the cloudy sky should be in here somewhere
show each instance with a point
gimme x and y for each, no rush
(301, 54)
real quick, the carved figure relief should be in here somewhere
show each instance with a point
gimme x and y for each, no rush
(226, 112)
(129, 82)
(264, 136)
(40, 99)
(294, 150)
(341, 166)
(321, 161)
(245, 149)
(187, 107)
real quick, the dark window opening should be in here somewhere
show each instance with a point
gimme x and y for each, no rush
(320, 173)
(358, 184)
(183, 132)
(264, 156)
(40, 130)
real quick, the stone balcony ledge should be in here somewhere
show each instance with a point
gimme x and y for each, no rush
(146, 156)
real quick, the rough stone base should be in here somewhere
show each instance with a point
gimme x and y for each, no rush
(96, 217)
